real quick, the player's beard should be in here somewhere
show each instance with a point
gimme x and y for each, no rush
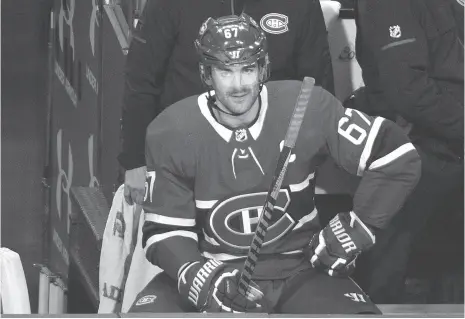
(238, 101)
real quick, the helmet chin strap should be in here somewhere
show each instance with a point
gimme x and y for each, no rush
(212, 103)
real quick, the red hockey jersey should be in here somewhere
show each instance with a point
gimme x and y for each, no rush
(207, 183)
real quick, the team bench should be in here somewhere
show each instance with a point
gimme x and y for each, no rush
(431, 310)
(394, 310)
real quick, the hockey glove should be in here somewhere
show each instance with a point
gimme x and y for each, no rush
(335, 248)
(212, 287)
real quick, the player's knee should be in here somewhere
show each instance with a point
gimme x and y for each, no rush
(159, 296)
(149, 298)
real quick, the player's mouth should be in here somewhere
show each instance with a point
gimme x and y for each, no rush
(239, 97)
(239, 94)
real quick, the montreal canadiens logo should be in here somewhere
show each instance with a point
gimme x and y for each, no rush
(275, 23)
(234, 220)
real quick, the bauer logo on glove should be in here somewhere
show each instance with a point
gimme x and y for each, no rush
(335, 248)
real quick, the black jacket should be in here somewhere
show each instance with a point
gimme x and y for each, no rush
(411, 54)
(162, 65)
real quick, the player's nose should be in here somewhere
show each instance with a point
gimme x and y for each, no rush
(237, 82)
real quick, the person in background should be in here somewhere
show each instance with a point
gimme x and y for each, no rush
(412, 58)
(161, 65)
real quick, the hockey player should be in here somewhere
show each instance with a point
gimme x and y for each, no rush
(161, 66)
(210, 161)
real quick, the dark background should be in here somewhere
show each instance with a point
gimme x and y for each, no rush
(24, 75)
(24, 32)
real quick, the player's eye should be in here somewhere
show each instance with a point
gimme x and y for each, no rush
(249, 70)
(225, 73)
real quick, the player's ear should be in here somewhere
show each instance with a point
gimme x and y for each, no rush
(208, 80)
(206, 74)
(209, 75)
(264, 69)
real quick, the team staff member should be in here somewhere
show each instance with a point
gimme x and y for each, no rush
(162, 68)
(411, 54)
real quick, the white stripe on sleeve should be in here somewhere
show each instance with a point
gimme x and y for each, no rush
(369, 145)
(389, 158)
(160, 219)
(301, 186)
(159, 237)
(205, 204)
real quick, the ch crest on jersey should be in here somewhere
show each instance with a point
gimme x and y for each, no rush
(234, 220)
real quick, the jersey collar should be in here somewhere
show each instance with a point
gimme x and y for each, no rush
(223, 131)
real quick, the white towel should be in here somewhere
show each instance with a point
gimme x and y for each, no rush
(122, 257)
(13, 287)
(116, 247)
(141, 271)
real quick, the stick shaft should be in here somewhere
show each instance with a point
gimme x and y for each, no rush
(280, 172)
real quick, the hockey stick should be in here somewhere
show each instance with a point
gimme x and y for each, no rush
(280, 172)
